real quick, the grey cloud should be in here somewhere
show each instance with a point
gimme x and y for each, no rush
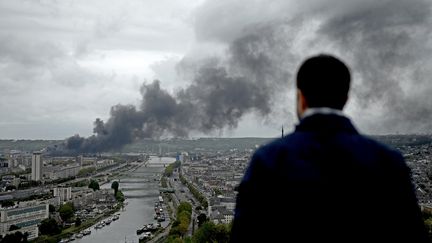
(40, 61)
(387, 42)
(382, 41)
(51, 55)
(128, 25)
(27, 52)
(229, 20)
(213, 101)
(221, 92)
(166, 70)
(41, 82)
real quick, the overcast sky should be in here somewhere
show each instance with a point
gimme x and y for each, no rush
(65, 63)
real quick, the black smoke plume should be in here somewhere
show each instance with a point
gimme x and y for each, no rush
(214, 100)
(387, 44)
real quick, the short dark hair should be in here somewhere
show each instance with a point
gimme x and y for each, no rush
(324, 81)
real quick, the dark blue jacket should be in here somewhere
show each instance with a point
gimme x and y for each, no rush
(327, 183)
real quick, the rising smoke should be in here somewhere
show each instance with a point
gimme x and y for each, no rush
(386, 43)
(390, 49)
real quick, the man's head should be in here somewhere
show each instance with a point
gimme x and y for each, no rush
(322, 81)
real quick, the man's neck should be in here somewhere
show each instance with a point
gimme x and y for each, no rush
(322, 110)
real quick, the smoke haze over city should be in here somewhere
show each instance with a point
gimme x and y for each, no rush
(214, 68)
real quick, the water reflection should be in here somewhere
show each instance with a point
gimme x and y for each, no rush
(141, 189)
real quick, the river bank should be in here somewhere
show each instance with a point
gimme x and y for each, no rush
(141, 189)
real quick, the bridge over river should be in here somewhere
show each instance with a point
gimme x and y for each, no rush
(141, 189)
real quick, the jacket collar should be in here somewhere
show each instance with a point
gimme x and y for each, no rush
(322, 110)
(326, 123)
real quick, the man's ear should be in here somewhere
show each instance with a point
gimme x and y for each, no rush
(303, 105)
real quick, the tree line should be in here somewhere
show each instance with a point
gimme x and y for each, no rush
(195, 192)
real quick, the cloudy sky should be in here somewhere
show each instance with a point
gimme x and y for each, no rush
(65, 63)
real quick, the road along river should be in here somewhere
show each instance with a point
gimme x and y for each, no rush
(141, 189)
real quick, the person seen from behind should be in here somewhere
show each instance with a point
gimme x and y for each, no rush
(325, 182)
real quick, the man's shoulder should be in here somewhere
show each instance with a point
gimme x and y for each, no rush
(277, 145)
(294, 142)
(373, 144)
(277, 148)
(290, 140)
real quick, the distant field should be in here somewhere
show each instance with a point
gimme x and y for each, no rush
(149, 145)
(201, 144)
(25, 145)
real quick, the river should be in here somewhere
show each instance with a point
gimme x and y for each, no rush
(141, 188)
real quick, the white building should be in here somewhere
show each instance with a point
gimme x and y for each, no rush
(104, 163)
(64, 193)
(27, 218)
(57, 172)
(68, 171)
(222, 216)
(228, 202)
(36, 169)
